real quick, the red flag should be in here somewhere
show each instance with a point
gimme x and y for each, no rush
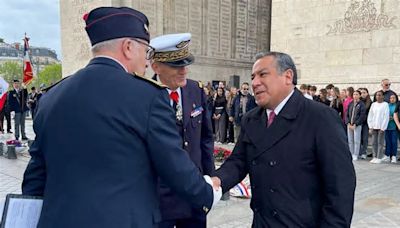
(3, 92)
(28, 73)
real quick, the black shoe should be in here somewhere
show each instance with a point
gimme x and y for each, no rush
(25, 138)
(9, 132)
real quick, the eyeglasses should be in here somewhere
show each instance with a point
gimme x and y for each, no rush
(386, 84)
(245, 89)
(150, 50)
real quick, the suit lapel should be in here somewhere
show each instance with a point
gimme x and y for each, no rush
(186, 105)
(265, 138)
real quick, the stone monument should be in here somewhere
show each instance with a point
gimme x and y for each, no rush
(344, 42)
(226, 34)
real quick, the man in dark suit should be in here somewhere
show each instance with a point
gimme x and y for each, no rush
(193, 122)
(241, 104)
(32, 101)
(17, 101)
(301, 174)
(96, 159)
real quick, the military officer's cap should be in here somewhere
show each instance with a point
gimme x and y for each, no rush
(173, 49)
(107, 23)
(15, 80)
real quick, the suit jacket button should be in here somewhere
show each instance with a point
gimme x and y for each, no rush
(255, 209)
(271, 190)
(186, 143)
(253, 186)
(274, 213)
(272, 163)
(254, 162)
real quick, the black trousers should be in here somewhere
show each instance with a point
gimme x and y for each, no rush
(3, 114)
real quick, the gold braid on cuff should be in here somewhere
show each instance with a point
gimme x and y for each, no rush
(171, 56)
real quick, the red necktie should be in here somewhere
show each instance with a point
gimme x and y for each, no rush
(271, 118)
(174, 96)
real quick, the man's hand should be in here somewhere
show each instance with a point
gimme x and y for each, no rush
(231, 118)
(216, 182)
(217, 190)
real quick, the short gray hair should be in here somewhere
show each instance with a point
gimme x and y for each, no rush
(283, 62)
(106, 45)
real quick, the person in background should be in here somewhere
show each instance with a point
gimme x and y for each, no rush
(313, 91)
(243, 103)
(354, 120)
(365, 130)
(210, 100)
(323, 97)
(17, 99)
(387, 92)
(329, 88)
(221, 85)
(32, 101)
(231, 127)
(336, 102)
(5, 113)
(219, 115)
(304, 91)
(378, 119)
(347, 101)
(391, 133)
(343, 95)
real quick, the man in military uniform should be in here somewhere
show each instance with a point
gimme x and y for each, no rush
(192, 121)
(96, 159)
(17, 101)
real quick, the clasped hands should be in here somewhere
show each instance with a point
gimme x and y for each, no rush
(215, 182)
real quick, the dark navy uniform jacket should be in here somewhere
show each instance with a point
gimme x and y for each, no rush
(17, 100)
(103, 136)
(301, 174)
(197, 135)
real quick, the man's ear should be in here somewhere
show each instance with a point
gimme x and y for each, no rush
(155, 67)
(289, 76)
(127, 47)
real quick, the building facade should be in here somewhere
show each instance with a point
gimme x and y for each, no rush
(40, 56)
(344, 42)
(226, 34)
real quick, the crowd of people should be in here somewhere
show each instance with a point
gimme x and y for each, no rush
(227, 106)
(363, 114)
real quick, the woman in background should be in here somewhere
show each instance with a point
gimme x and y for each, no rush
(354, 120)
(364, 130)
(378, 119)
(219, 115)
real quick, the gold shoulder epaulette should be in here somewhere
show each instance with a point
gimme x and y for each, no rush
(153, 82)
(51, 86)
(200, 84)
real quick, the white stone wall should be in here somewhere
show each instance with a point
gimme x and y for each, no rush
(360, 55)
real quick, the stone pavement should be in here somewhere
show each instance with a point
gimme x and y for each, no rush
(377, 201)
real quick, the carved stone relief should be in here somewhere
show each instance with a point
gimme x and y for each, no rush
(361, 16)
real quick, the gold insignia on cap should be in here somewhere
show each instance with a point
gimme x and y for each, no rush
(146, 28)
(205, 209)
(183, 44)
(171, 56)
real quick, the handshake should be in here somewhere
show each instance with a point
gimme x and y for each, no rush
(215, 183)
